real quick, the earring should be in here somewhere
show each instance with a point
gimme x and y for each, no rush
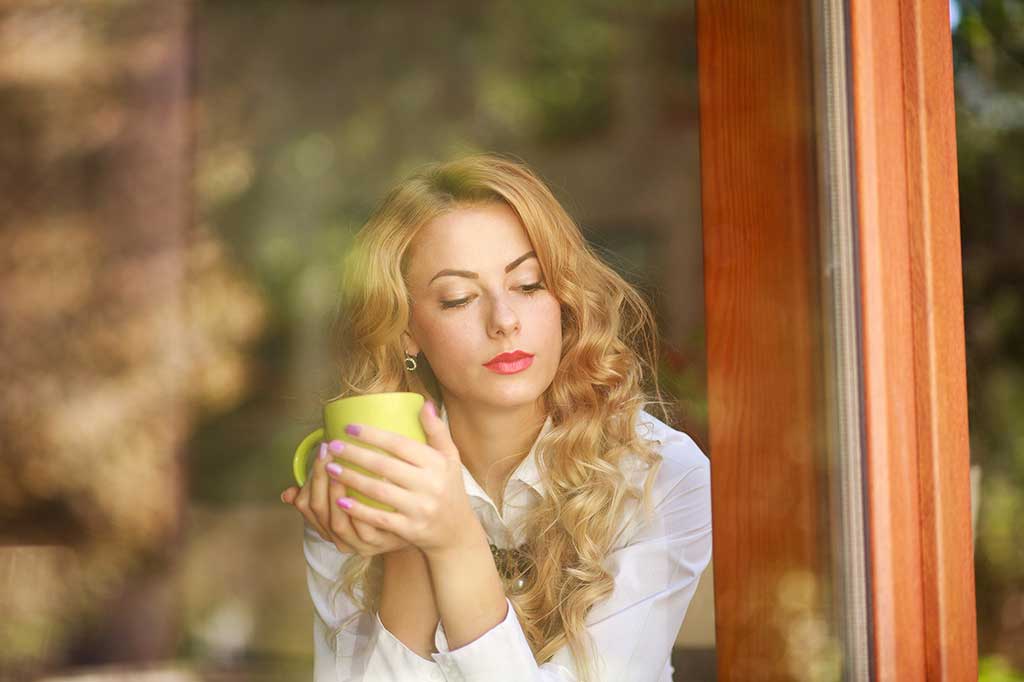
(410, 362)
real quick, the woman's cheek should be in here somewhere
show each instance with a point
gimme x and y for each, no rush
(554, 315)
(452, 348)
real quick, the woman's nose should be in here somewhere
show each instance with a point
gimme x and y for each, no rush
(503, 318)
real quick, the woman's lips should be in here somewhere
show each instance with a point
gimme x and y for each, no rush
(510, 367)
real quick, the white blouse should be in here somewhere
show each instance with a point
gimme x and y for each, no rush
(656, 567)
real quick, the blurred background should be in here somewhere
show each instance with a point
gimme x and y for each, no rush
(988, 63)
(179, 182)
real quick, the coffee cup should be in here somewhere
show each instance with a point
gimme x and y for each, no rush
(398, 412)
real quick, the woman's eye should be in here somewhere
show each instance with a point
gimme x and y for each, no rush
(528, 289)
(454, 304)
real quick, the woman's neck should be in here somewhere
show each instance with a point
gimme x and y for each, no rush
(493, 443)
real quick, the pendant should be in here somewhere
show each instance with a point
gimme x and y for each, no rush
(510, 562)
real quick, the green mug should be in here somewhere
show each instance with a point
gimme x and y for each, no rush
(398, 412)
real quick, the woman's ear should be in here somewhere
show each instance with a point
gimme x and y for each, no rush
(409, 344)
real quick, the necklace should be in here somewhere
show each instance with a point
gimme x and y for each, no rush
(511, 561)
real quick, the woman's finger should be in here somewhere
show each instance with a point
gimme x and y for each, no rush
(314, 507)
(439, 435)
(358, 535)
(290, 495)
(373, 486)
(371, 535)
(340, 526)
(301, 502)
(344, 548)
(383, 466)
(318, 500)
(412, 453)
(315, 501)
(391, 522)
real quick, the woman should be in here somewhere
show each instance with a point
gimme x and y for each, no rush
(518, 549)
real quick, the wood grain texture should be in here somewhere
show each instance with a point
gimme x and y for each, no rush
(913, 341)
(761, 277)
(887, 345)
(758, 181)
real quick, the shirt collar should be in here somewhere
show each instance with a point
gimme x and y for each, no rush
(526, 472)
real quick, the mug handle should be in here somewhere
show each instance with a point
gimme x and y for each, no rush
(299, 462)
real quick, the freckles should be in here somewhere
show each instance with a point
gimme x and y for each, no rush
(554, 310)
(454, 338)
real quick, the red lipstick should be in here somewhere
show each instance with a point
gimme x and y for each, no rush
(510, 363)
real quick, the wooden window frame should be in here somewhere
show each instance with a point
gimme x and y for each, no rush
(759, 199)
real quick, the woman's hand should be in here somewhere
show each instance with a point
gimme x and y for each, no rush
(315, 501)
(422, 482)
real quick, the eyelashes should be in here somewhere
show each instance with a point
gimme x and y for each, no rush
(528, 289)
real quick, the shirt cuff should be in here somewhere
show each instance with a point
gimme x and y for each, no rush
(391, 655)
(502, 653)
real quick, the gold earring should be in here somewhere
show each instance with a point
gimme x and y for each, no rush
(410, 362)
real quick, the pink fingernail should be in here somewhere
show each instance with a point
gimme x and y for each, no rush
(430, 406)
(323, 451)
(333, 468)
(352, 429)
(336, 446)
(344, 503)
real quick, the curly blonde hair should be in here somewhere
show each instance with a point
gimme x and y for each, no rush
(609, 352)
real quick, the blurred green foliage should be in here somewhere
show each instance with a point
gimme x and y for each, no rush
(988, 53)
(997, 669)
(297, 144)
(304, 115)
(183, 180)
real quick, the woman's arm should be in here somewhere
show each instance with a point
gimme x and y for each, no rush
(361, 650)
(656, 571)
(469, 592)
(350, 644)
(407, 606)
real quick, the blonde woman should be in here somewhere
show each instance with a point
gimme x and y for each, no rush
(550, 528)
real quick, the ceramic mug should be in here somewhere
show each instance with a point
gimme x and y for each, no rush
(398, 412)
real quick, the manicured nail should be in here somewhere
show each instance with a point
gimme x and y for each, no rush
(430, 406)
(336, 446)
(353, 429)
(344, 503)
(333, 468)
(282, 498)
(323, 451)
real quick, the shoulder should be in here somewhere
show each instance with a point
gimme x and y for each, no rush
(682, 458)
(680, 491)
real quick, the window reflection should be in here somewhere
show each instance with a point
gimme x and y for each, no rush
(188, 175)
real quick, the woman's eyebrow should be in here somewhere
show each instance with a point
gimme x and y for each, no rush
(473, 275)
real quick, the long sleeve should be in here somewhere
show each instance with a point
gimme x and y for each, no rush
(364, 649)
(656, 573)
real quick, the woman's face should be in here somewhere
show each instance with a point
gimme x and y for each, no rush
(475, 295)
